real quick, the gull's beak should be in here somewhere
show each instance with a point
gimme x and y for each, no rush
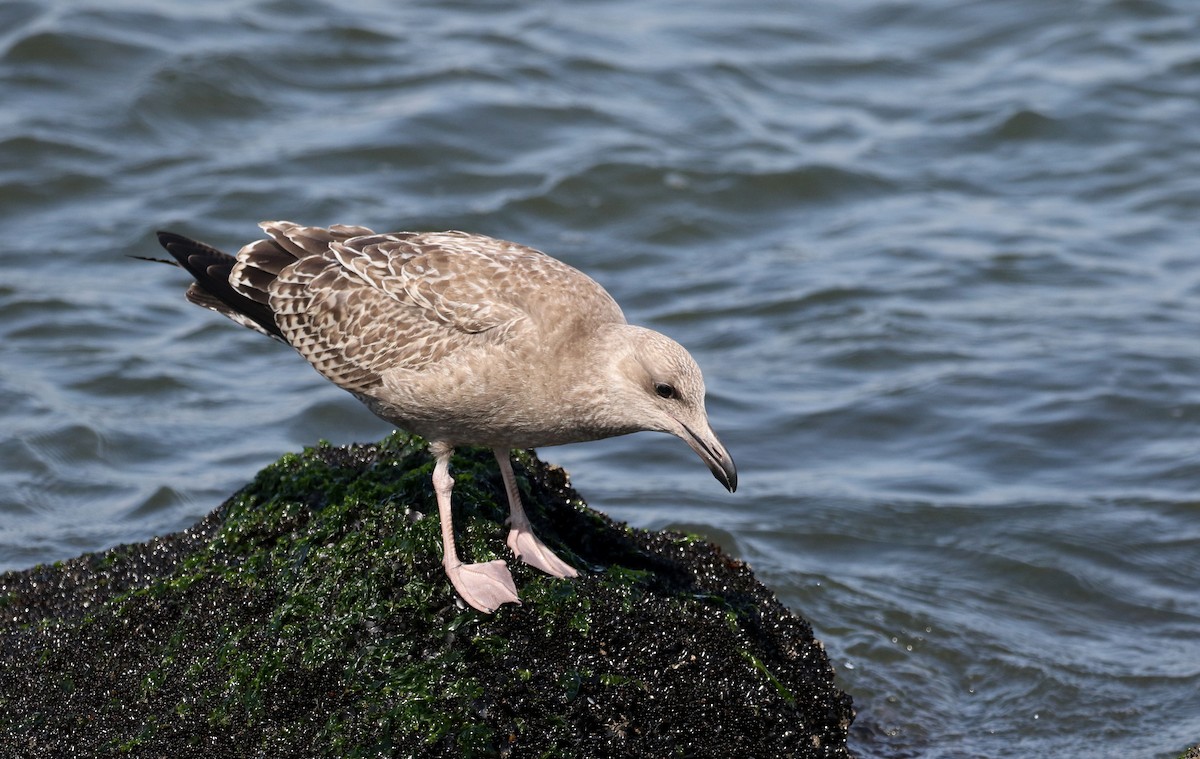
(706, 445)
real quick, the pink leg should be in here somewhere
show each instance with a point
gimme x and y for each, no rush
(484, 586)
(524, 544)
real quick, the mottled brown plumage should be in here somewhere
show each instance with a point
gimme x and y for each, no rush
(463, 339)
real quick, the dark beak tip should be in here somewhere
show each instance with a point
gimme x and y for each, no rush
(714, 455)
(727, 477)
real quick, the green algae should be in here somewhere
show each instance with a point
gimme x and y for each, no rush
(309, 534)
(309, 616)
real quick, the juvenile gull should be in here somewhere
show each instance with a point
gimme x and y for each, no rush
(464, 340)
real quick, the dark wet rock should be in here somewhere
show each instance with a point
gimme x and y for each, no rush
(309, 616)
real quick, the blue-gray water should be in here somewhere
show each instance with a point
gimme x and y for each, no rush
(938, 260)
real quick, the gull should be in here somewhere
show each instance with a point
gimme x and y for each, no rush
(462, 339)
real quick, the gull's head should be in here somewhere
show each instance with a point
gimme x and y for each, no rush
(661, 385)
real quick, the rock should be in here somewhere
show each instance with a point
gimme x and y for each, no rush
(309, 616)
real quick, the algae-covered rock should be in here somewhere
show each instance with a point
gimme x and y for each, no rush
(309, 616)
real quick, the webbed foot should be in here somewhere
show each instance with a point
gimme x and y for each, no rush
(528, 548)
(484, 586)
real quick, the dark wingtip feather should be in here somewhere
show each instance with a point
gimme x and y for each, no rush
(152, 259)
(165, 237)
(181, 248)
(202, 262)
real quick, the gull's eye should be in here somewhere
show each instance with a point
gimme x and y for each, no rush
(663, 390)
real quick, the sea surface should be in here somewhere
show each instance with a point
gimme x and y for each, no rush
(939, 260)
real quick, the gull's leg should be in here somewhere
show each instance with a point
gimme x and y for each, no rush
(484, 586)
(524, 544)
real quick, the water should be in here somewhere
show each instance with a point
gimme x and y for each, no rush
(937, 259)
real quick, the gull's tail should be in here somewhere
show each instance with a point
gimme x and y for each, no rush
(212, 289)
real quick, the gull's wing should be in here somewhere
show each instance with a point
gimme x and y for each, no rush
(356, 304)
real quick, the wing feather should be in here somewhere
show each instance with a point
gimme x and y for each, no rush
(357, 304)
